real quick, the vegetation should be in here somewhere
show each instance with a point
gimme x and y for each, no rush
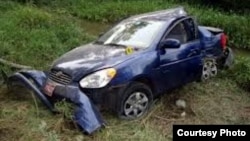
(235, 25)
(41, 29)
(241, 73)
(233, 5)
(28, 33)
(218, 101)
(35, 32)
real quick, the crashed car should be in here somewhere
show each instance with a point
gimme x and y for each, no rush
(135, 61)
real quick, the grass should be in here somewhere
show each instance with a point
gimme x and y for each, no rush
(31, 32)
(235, 25)
(218, 101)
(37, 34)
(35, 37)
(240, 73)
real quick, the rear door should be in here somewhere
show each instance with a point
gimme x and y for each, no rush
(184, 64)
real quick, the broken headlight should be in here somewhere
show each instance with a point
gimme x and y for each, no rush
(98, 79)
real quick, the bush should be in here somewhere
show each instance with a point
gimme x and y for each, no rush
(234, 5)
(241, 73)
(235, 25)
(38, 2)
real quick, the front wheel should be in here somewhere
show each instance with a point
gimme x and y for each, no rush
(135, 101)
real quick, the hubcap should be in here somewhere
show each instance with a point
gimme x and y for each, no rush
(136, 105)
(209, 69)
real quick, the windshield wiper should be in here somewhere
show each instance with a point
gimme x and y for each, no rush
(115, 44)
(109, 44)
(99, 42)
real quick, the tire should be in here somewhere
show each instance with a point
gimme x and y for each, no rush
(209, 69)
(135, 101)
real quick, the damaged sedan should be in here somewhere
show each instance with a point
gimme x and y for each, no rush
(127, 67)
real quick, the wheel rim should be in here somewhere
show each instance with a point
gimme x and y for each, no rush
(213, 70)
(136, 105)
(209, 70)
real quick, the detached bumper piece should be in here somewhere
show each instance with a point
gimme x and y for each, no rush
(86, 115)
(226, 60)
(229, 58)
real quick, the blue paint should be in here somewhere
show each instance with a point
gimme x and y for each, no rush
(86, 115)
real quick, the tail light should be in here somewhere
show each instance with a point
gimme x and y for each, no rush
(223, 41)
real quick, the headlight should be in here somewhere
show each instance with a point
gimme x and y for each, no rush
(98, 79)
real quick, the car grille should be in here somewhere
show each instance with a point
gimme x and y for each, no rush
(59, 77)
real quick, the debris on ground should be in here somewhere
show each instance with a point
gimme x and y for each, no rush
(181, 103)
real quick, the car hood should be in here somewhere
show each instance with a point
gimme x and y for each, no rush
(88, 58)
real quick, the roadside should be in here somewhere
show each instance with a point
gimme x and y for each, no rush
(218, 101)
(30, 35)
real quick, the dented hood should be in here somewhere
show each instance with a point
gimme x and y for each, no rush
(88, 58)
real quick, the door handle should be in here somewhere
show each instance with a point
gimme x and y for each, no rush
(193, 52)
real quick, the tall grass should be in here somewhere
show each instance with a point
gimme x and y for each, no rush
(235, 25)
(239, 6)
(43, 30)
(207, 103)
(240, 73)
(35, 37)
(36, 34)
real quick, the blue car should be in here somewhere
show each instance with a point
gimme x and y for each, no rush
(139, 59)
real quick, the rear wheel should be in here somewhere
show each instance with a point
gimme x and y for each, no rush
(209, 69)
(135, 101)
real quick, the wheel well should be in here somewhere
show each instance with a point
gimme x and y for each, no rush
(146, 81)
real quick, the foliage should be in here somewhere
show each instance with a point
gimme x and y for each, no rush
(235, 25)
(233, 5)
(35, 32)
(240, 73)
(35, 37)
(66, 108)
(207, 103)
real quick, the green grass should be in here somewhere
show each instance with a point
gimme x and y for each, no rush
(37, 34)
(45, 31)
(235, 25)
(33, 36)
(218, 101)
(240, 73)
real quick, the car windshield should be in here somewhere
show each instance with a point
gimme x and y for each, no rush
(132, 33)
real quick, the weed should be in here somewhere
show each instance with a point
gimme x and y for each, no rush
(28, 34)
(65, 108)
(235, 25)
(37, 34)
(240, 73)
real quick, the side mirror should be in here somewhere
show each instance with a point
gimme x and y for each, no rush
(170, 43)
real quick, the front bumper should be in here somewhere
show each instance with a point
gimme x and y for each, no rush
(107, 98)
(86, 115)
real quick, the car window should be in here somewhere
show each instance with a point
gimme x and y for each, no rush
(138, 33)
(178, 32)
(192, 30)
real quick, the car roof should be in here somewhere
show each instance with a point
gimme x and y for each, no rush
(162, 15)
